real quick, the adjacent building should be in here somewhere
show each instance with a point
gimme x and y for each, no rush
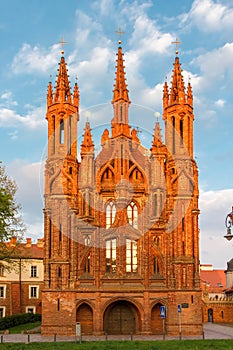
(21, 281)
(217, 293)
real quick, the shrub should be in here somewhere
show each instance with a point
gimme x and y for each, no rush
(15, 320)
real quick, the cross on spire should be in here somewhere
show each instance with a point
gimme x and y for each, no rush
(62, 42)
(177, 42)
(119, 33)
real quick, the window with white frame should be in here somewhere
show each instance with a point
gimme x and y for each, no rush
(110, 214)
(111, 256)
(131, 256)
(2, 311)
(30, 309)
(33, 271)
(33, 292)
(2, 291)
(132, 213)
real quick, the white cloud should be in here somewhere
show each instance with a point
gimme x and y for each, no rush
(216, 65)
(13, 135)
(35, 59)
(147, 37)
(214, 206)
(7, 99)
(10, 118)
(209, 16)
(220, 103)
(29, 179)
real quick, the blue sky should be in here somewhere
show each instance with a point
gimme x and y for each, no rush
(29, 33)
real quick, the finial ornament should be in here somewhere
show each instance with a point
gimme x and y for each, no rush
(62, 42)
(119, 33)
(177, 42)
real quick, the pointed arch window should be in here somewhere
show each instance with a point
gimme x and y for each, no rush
(132, 214)
(87, 264)
(156, 266)
(111, 256)
(155, 204)
(61, 131)
(69, 135)
(53, 135)
(181, 131)
(110, 214)
(131, 256)
(173, 134)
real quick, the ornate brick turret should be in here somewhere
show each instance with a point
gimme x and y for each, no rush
(120, 100)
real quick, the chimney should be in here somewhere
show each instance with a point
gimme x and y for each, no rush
(40, 242)
(29, 242)
(13, 241)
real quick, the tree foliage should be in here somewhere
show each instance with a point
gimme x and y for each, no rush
(11, 222)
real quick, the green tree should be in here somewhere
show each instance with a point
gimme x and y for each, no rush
(11, 222)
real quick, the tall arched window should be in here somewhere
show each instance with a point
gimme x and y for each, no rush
(155, 204)
(132, 213)
(61, 131)
(110, 214)
(87, 264)
(156, 267)
(111, 256)
(53, 135)
(131, 256)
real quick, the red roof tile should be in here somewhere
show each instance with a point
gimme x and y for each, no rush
(213, 281)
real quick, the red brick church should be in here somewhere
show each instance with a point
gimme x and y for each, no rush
(121, 226)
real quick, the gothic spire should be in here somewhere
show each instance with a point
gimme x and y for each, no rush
(157, 140)
(62, 90)
(87, 145)
(177, 94)
(76, 95)
(49, 94)
(120, 92)
(189, 94)
(165, 95)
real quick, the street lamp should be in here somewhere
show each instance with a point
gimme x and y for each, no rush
(229, 225)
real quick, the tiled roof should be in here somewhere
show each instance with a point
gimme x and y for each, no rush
(213, 281)
(27, 250)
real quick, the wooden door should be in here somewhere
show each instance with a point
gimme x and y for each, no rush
(85, 317)
(156, 321)
(120, 319)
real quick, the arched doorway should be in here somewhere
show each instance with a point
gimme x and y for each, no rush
(156, 320)
(84, 315)
(210, 315)
(121, 317)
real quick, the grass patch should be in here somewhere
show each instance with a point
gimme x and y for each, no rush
(24, 327)
(128, 345)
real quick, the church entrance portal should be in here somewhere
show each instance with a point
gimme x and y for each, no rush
(85, 317)
(156, 321)
(120, 318)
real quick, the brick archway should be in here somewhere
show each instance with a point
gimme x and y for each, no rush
(121, 317)
(84, 315)
(156, 321)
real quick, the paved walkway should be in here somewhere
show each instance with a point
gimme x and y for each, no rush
(211, 331)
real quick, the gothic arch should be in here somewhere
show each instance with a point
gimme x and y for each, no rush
(136, 167)
(130, 300)
(121, 316)
(85, 254)
(156, 320)
(84, 315)
(101, 171)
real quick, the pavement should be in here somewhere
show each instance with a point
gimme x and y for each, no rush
(211, 331)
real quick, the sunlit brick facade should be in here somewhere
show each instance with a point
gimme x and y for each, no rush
(121, 225)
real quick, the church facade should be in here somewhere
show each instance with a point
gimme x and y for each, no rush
(121, 226)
